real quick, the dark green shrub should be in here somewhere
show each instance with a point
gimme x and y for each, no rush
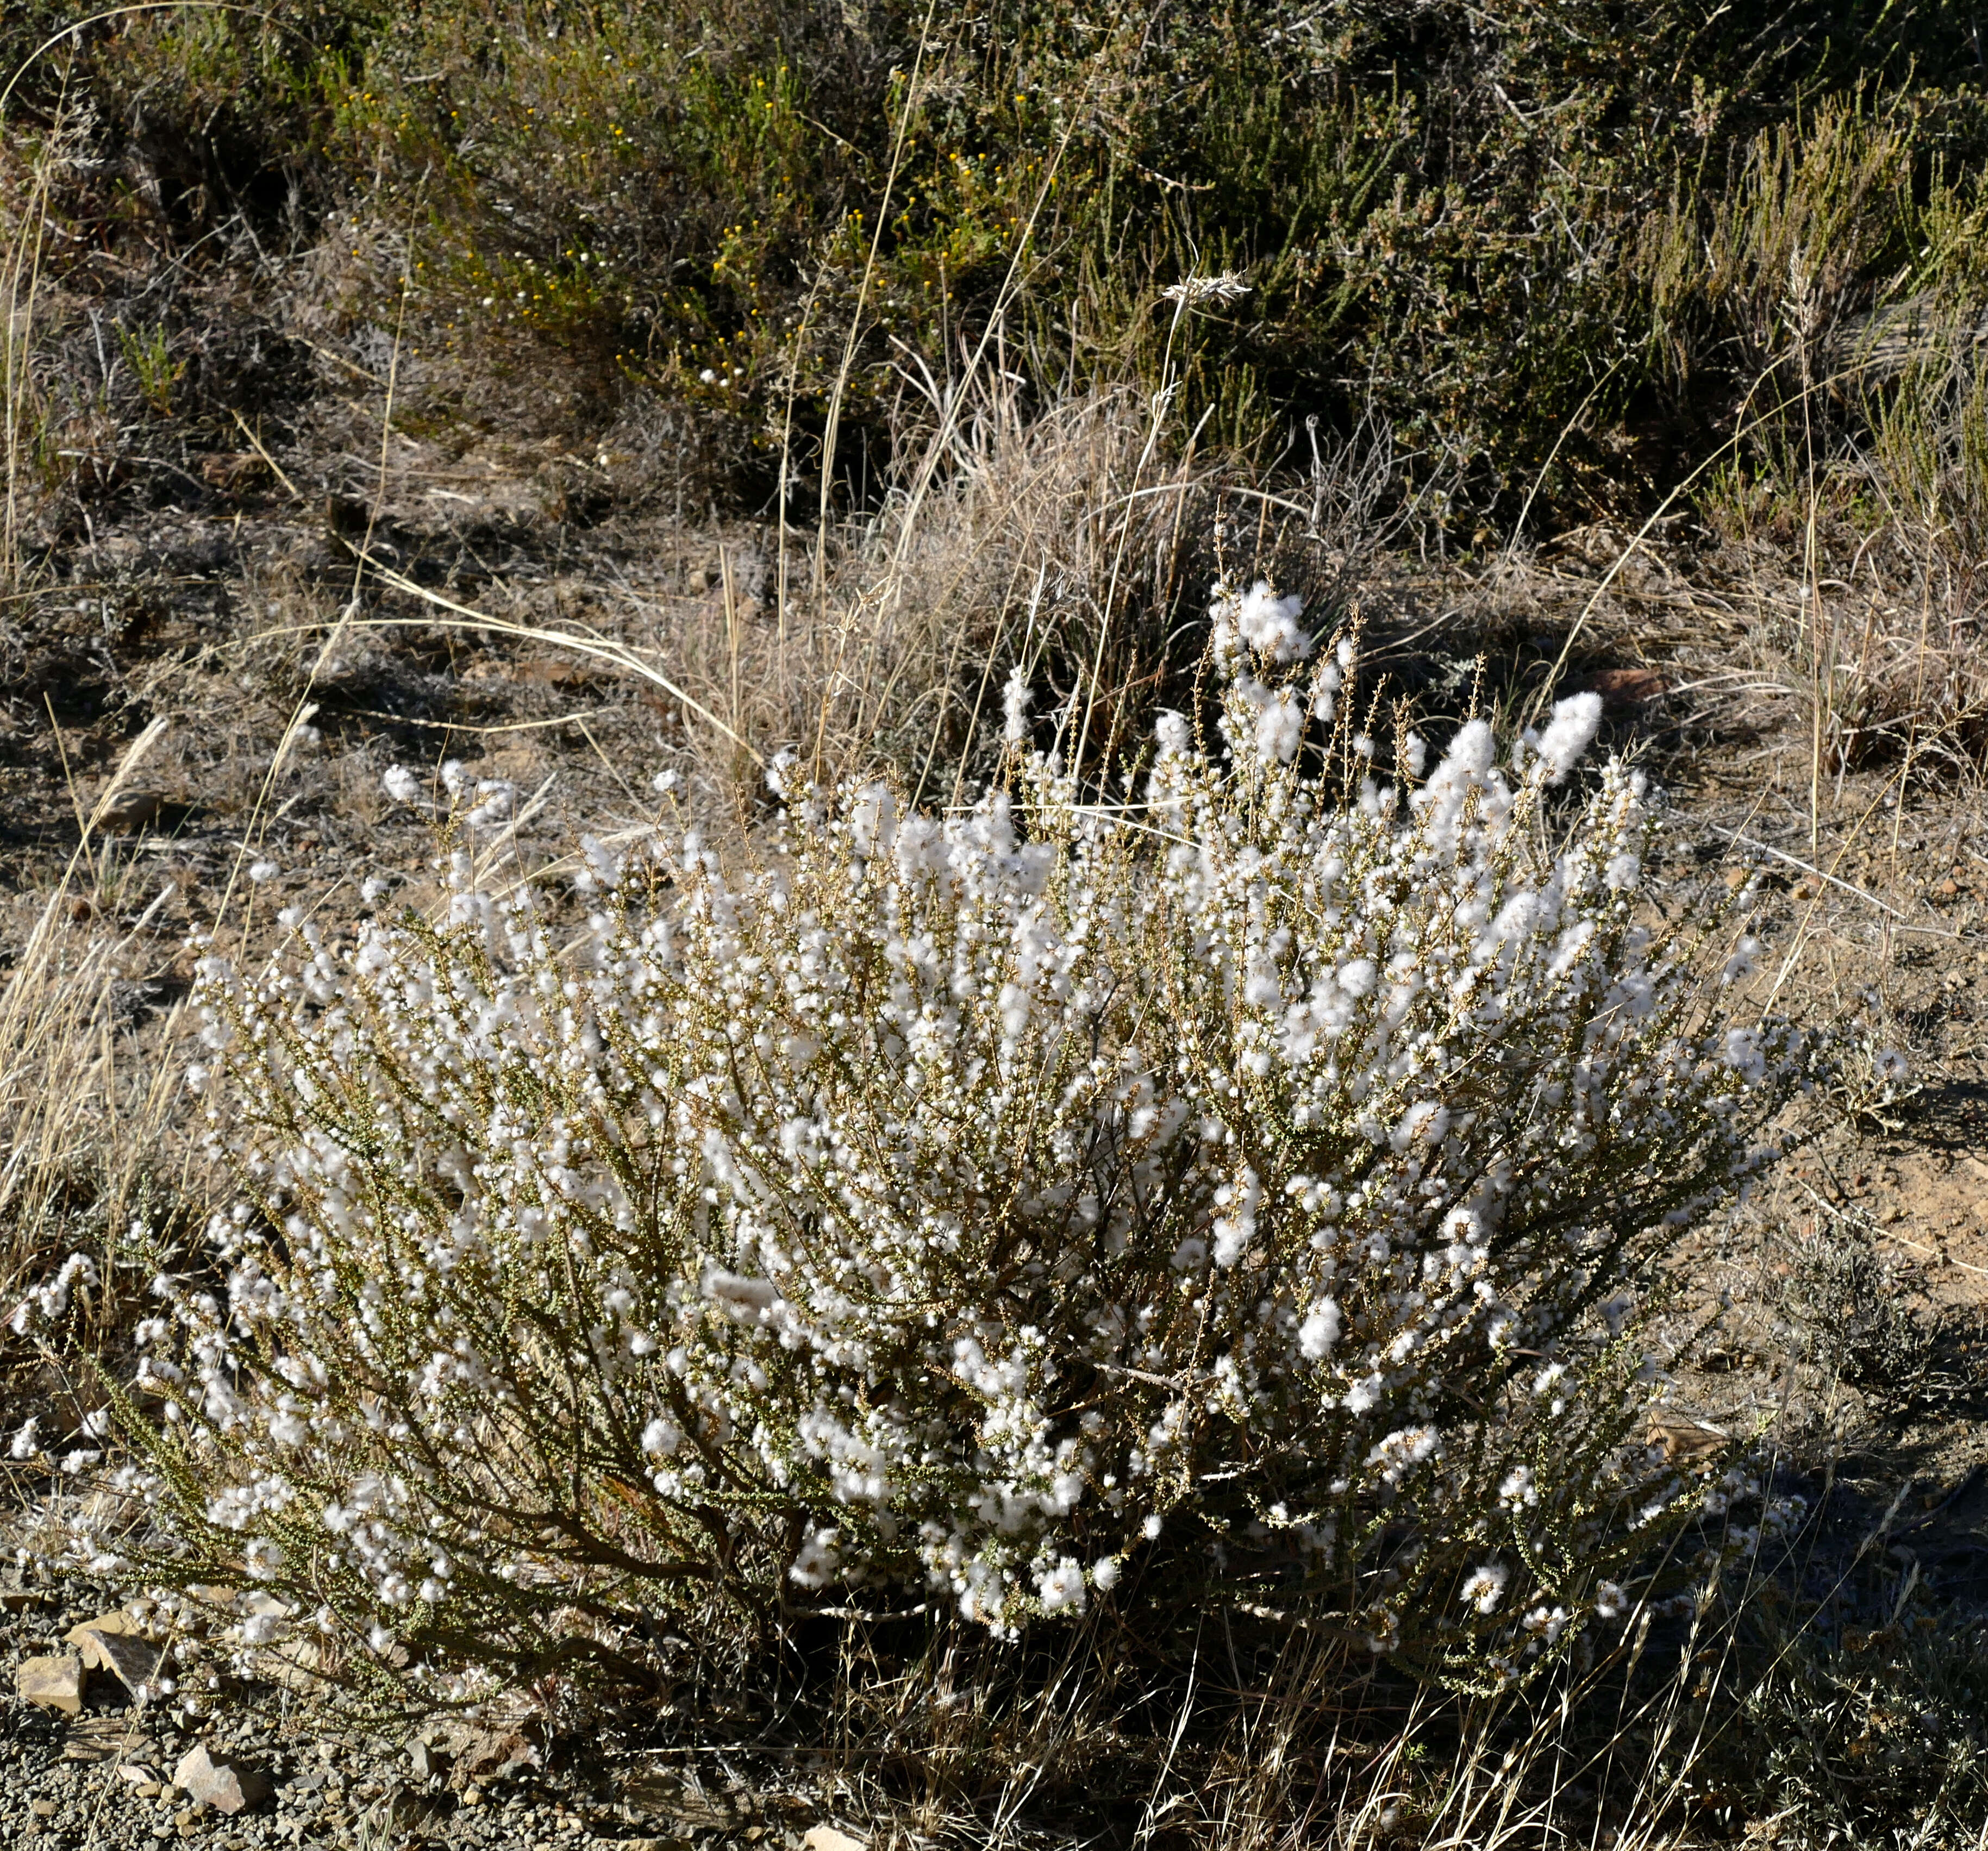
(1556, 238)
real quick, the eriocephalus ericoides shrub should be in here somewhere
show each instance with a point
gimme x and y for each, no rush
(1269, 1173)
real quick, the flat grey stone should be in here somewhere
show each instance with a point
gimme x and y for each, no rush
(226, 1784)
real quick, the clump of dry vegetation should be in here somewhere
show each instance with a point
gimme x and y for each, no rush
(612, 406)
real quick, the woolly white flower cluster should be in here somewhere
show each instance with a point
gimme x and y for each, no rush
(47, 1302)
(1267, 1173)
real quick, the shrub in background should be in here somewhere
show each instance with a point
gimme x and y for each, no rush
(1269, 1176)
(1518, 244)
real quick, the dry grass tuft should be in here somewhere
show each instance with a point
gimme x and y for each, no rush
(89, 1116)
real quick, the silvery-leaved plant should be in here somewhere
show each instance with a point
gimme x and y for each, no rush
(1265, 1174)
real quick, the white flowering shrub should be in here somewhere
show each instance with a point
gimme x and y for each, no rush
(1267, 1175)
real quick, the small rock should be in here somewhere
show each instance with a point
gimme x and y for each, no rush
(1631, 686)
(42, 1808)
(826, 1838)
(491, 1754)
(112, 1642)
(129, 811)
(426, 1762)
(1682, 1438)
(138, 1774)
(84, 1636)
(297, 1664)
(56, 1684)
(555, 674)
(225, 1783)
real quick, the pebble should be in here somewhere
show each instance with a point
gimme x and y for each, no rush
(92, 1781)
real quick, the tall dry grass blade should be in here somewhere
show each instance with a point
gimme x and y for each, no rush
(67, 1104)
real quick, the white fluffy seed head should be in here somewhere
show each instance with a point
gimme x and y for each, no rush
(1568, 734)
(1015, 708)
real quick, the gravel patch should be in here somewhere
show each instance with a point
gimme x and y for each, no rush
(103, 1779)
